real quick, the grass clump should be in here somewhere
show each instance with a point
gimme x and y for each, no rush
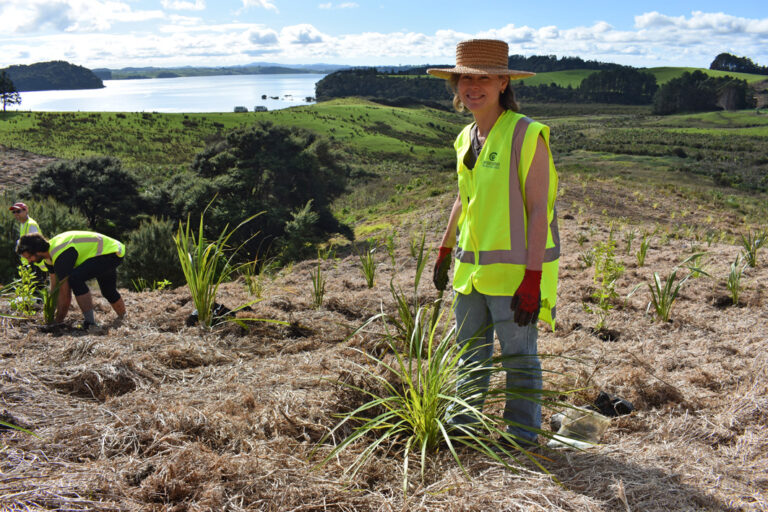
(750, 243)
(205, 264)
(421, 395)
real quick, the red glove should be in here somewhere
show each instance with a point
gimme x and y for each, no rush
(440, 272)
(526, 301)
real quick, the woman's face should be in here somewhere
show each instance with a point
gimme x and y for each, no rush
(481, 92)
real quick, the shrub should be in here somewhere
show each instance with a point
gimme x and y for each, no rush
(151, 255)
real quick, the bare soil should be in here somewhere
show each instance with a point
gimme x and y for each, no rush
(18, 166)
(155, 415)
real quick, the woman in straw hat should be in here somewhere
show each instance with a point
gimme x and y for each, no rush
(505, 230)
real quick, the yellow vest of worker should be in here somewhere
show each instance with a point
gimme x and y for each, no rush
(87, 244)
(24, 228)
(492, 247)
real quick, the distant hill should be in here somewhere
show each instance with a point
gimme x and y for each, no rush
(52, 76)
(256, 68)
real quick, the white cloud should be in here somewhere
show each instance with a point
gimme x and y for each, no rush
(181, 5)
(260, 37)
(344, 5)
(30, 16)
(302, 34)
(48, 29)
(263, 4)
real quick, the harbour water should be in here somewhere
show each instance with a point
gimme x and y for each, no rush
(183, 94)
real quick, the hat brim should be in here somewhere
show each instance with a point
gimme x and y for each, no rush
(446, 74)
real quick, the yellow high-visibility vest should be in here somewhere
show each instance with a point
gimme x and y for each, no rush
(87, 243)
(24, 229)
(492, 247)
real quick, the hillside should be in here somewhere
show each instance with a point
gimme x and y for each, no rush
(152, 414)
(51, 76)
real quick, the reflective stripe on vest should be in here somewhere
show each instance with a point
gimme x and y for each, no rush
(24, 229)
(87, 243)
(492, 237)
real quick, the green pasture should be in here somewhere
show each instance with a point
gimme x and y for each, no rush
(573, 77)
(665, 74)
(152, 139)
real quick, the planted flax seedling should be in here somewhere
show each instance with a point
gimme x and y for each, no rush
(390, 245)
(205, 265)
(318, 286)
(629, 237)
(413, 414)
(734, 279)
(587, 258)
(368, 264)
(50, 301)
(664, 294)
(642, 252)
(751, 242)
(607, 272)
(421, 262)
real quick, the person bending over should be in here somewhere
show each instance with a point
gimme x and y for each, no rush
(75, 257)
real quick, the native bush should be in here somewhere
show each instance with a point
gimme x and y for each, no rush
(106, 194)
(151, 255)
(288, 176)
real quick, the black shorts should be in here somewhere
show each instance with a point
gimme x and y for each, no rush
(102, 268)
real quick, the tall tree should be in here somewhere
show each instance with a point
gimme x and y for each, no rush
(8, 93)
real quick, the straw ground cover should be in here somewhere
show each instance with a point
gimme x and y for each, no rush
(156, 415)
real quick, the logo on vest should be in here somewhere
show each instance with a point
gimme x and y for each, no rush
(491, 162)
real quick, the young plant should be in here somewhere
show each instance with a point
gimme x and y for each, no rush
(421, 262)
(50, 301)
(390, 245)
(751, 242)
(24, 288)
(629, 237)
(318, 286)
(663, 296)
(140, 285)
(587, 258)
(368, 264)
(205, 264)
(414, 413)
(643, 251)
(607, 272)
(734, 279)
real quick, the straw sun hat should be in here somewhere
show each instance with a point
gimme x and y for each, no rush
(481, 57)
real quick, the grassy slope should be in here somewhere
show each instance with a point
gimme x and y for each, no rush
(663, 74)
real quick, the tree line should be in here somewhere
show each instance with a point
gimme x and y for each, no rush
(732, 63)
(692, 92)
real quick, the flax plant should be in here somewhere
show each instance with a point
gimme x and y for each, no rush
(390, 245)
(643, 251)
(318, 286)
(50, 301)
(663, 296)
(414, 414)
(751, 242)
(368, 264)
(734, 279)
(201, 262)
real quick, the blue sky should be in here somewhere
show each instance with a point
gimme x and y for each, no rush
(120, 33)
